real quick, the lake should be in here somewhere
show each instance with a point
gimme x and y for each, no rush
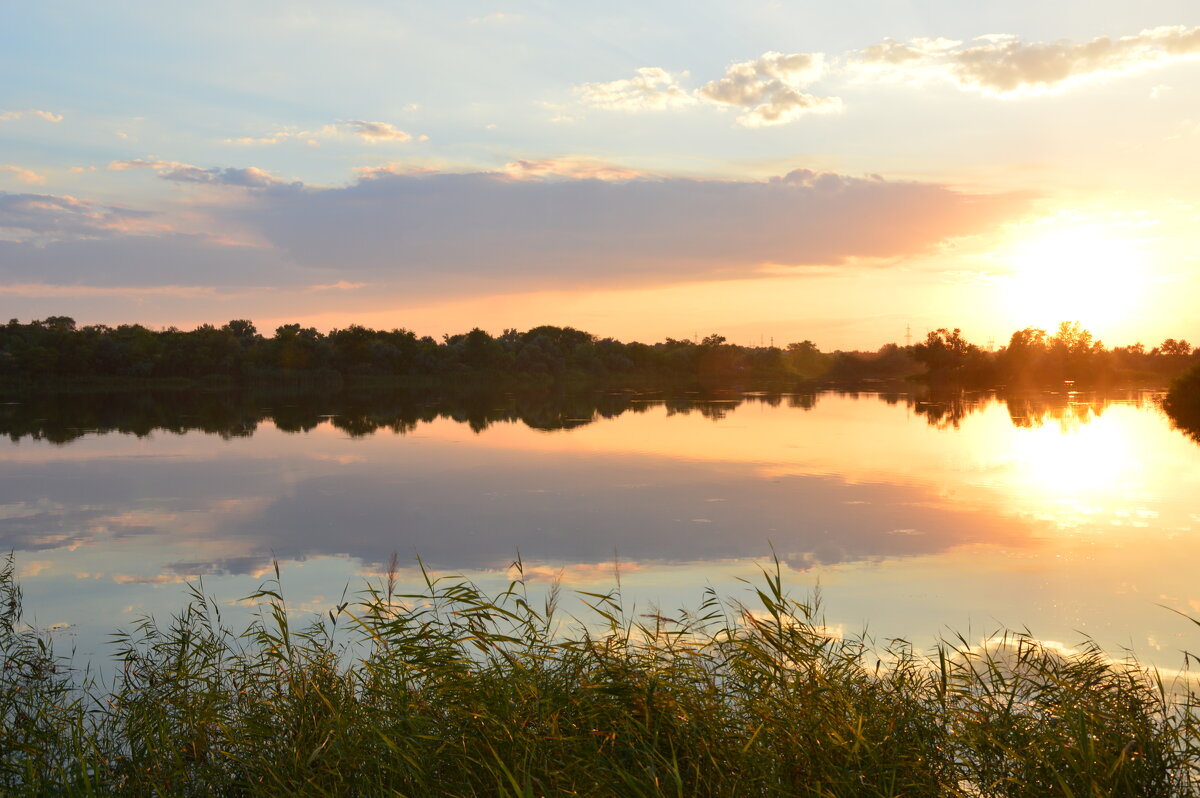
(1066, 514)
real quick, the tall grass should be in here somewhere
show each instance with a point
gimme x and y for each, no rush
(451, 691)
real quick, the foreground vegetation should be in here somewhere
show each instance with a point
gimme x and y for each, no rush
(454, 692)
(56, 353)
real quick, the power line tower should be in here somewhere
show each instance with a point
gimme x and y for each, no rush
(908, 335)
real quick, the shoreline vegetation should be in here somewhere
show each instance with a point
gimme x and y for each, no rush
(55, 354)
(447, 690)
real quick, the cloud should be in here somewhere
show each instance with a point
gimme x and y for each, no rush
(47, 217)
(24, 175)
(438, 231)
(340, 285)
(90, 257)
(6, 116)
(377, 131)
(1004, 65)
(371, 132)
(246, 177)
(654, 89)
(772, 88)
(552, 224)
(769, 87)
(575, 168)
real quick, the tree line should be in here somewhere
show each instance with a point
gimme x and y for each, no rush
(56, 349)
(1036, 357)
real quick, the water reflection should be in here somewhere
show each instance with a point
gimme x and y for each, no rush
(64, 418)
(906, 507)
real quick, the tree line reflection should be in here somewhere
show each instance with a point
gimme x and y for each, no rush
(64, 418)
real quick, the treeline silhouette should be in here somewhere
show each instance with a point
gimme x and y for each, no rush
(1036, 357)
(55, 350)
(64, 417)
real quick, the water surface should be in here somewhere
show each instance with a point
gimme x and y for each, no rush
(1067, 514)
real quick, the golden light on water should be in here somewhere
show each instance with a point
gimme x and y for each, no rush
(1078, 461)
(1085, 273)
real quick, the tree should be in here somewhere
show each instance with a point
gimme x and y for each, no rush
(945, 352)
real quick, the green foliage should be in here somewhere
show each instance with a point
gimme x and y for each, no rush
(450, 691)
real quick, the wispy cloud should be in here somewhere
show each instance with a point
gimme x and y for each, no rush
(369, 131)
(245, 177)
(773, 89)
(571, 167)
(340, 285)
(653, 89)
(24, 175)
(377, 131)
(49, 116)
(1004, 65)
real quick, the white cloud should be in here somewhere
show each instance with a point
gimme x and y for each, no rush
(24, 175)
(750, 82)
(246, 177)
(773, 88)
(370, 132)
(49, 116)
(767, 88)
(654, 89)
(377, 131)
(1002, 64)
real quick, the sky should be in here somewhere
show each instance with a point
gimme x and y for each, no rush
(849, 173)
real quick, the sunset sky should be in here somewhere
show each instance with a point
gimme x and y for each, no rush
(767, 170)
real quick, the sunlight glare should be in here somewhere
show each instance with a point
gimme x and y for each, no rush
(1075, 464)
(1080, 274)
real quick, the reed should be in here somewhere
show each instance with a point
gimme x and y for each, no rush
(447, 690)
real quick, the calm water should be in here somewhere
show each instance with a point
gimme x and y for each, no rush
(1064, 514)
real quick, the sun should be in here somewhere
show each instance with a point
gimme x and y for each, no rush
(1084, 274)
